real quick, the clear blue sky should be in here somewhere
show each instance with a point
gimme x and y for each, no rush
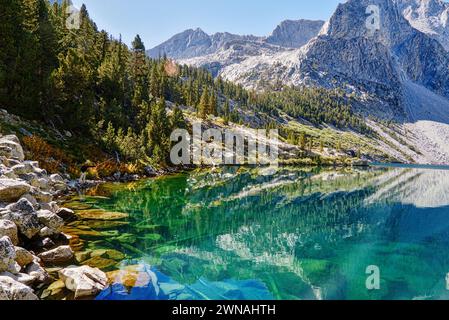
(158, 20)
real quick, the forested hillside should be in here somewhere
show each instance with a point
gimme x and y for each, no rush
(85, 81)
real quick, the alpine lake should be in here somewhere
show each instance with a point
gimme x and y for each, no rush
(254, 233)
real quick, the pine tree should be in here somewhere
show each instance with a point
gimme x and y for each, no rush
(302, 141)
(177, 119)
(158, 132)
(73, 86)
(109, 138)
(212, 104)
(203, 106)
(138, 58)
(226, 112)
(11, 35)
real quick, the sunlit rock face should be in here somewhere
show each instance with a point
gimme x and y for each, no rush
(294, 33)
(194, 43)
(428, 16)
(378, 62)
(346, 54)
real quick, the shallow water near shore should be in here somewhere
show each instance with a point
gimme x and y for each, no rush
(247, 233)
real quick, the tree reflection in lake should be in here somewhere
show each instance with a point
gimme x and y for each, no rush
(302, 233)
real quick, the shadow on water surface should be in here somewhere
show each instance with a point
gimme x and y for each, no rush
(301, 233)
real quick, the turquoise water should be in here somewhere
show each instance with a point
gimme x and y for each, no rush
(298, 233)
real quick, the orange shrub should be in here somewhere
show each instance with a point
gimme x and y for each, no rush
(49, 157)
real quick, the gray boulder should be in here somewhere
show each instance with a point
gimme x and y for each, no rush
(11, 289)
(23, 205)
(8, 256)
(27, 222)
(33, 201)
(9, 228)
(40, 183)
(58, 255)
(41, 196)
(51, 206)
(47, 232)
(11, 190)
(23, 215)
(38, 273)
(11, 148)
(20, 169)
(66, 214)
(50, 219)
(6, 172)
(23, 278)
(9, 162)
(56, 178)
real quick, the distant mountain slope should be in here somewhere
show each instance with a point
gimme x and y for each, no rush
(400, 71)
(346, 54)
(294, 33)
(196, 43)
(428, 16)
(193, 43)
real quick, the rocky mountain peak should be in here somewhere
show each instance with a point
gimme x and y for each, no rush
(380, 20)
(428, 16)
(196, 43)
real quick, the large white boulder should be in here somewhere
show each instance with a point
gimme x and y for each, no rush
(11, 289)
(12, 190)
(11, 148)
(9, 228)
(23, 278)
(35, 270)
(84, 281)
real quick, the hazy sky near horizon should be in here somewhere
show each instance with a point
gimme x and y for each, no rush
(157, 21)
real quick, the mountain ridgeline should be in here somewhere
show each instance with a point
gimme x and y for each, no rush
(84, 81)
(193, 43)
(410, 46)
(392, 60)
(333, 88)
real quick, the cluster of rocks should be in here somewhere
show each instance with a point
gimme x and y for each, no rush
(30, 231)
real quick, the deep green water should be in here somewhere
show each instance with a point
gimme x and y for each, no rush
(295, 234)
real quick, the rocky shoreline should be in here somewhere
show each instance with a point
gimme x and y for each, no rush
(30, 231)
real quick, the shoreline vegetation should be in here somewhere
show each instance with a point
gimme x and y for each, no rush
(32, 243)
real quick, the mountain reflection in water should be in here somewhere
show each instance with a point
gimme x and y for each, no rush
(301, 233)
